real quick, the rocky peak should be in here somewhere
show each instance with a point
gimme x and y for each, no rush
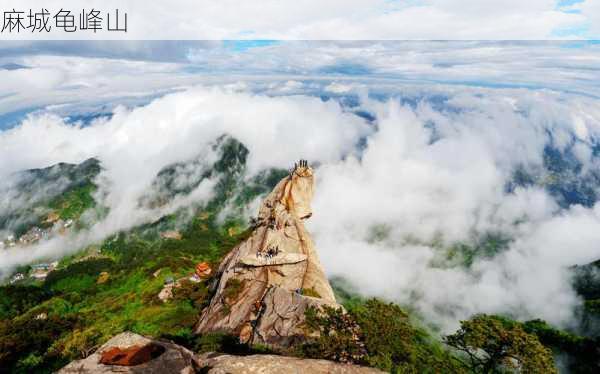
(268, 281)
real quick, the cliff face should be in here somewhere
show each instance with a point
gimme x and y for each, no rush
(267, 282)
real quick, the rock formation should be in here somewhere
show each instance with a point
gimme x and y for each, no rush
(258, 364)
(132, 353)
(268, 281)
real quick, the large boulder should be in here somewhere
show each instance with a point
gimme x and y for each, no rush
(272, 364)
(266, 283)
(132, 353)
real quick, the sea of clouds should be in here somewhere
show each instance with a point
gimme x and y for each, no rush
(426, 165)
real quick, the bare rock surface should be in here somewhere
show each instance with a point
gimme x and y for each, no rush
(173, 359)
(281, 321)
(272, 364)
(259, 295)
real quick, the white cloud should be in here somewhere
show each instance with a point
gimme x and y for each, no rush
(134, 145)
(330, 20)
(434, 166)
(591, 11)
(75, 84)
(420, 192)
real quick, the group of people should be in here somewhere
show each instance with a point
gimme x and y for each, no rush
(269, 253)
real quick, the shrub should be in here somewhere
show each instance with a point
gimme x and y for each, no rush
(310, 292)
(339, 336)
(15, 300)
(581, 352)
(492, 343)
(387, 333)
(226, 343)
(24, 342)
(375, 333)
(196, 293)
(80, 269)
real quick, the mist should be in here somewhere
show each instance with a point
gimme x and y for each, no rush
(429, 168)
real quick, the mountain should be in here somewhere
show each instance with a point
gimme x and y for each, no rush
(268, 282)
(202, 279)
(586, 281)
(38, 198)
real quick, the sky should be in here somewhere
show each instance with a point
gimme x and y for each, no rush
(334, 19)
(38, 74)
(415, 145)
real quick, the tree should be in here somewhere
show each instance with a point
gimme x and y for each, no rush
(494, 344)
(378, 334)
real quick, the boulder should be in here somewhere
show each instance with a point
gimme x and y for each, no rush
(174, 235)
(272, 364)
(260, 282)
(132, 353)
(166, 293)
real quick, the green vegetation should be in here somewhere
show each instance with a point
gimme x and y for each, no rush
(580, 352)
(377, 334)
(82, 314)
(384, 335)
(73, 203)
(310, 292)
(463, 254)
(586, 281)
(65, 189)
(15, 300)
(339, 338)
(77, 271)
(493, 344)
(46, 325)
(219, 342)
(25, 342)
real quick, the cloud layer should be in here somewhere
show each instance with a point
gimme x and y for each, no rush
(417, 146)
(335, 20)
(75, 78)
